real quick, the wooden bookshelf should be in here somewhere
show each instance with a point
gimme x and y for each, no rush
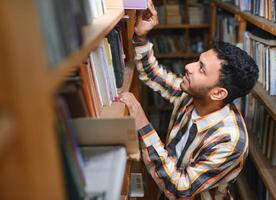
(263, 165)
(92, 35)
(177, 55)
(266, 99)
(260, 22)
(182, 26)
(227, 6)
(31, 162)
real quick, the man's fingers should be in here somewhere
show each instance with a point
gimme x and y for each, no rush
(151, 8)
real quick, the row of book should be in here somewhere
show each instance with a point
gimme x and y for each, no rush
(95, 83)
(227, 28)
(262, 125)
(171, 13)
(62, 21)
(174, 43)
(174, 12)
(168, 43)
(198, 13)
(262, 47)
(260, 8)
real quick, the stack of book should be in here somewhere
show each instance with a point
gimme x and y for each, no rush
(195, 13)
(173, 13)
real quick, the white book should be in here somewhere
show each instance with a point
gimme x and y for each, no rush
(93, 7)
(100, 77)
(272, 88)
(104, 168)
(267, 68)
(104, 66)
(110, 68)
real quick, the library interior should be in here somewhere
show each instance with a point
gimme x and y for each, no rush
(71, 62)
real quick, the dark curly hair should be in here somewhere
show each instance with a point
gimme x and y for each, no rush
(238, 73)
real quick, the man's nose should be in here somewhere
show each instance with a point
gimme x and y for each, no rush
(188, 68)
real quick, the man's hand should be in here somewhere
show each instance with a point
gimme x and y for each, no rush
(145, 20)
(135, 109)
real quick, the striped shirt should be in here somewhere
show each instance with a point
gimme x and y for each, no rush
(212, 159)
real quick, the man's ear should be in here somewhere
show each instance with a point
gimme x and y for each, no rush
(218, 93)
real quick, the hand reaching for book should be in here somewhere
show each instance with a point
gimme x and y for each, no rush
(135, 109)
(145, 21)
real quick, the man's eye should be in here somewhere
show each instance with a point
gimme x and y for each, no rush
(201, 69)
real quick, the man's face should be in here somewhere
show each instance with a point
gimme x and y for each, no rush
(201, 76)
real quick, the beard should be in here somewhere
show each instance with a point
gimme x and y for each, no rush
(198, 93)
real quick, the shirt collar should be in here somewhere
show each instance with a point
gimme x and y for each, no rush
(210, 120)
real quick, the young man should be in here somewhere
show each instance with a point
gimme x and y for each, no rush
(207, 142)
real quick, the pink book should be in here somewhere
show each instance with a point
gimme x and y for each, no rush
(135, 4)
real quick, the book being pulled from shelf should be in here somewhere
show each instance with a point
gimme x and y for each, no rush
(127, 4)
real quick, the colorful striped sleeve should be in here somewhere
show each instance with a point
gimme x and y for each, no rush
(218, 163)
(154, 75)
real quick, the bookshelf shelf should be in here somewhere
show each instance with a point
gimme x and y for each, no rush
(181, 26)
(260, 22)
(266, 99)
(263, 165)
(243, 188)
(177, 55)
(117, 109)
(227, 6)
(92, 35)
